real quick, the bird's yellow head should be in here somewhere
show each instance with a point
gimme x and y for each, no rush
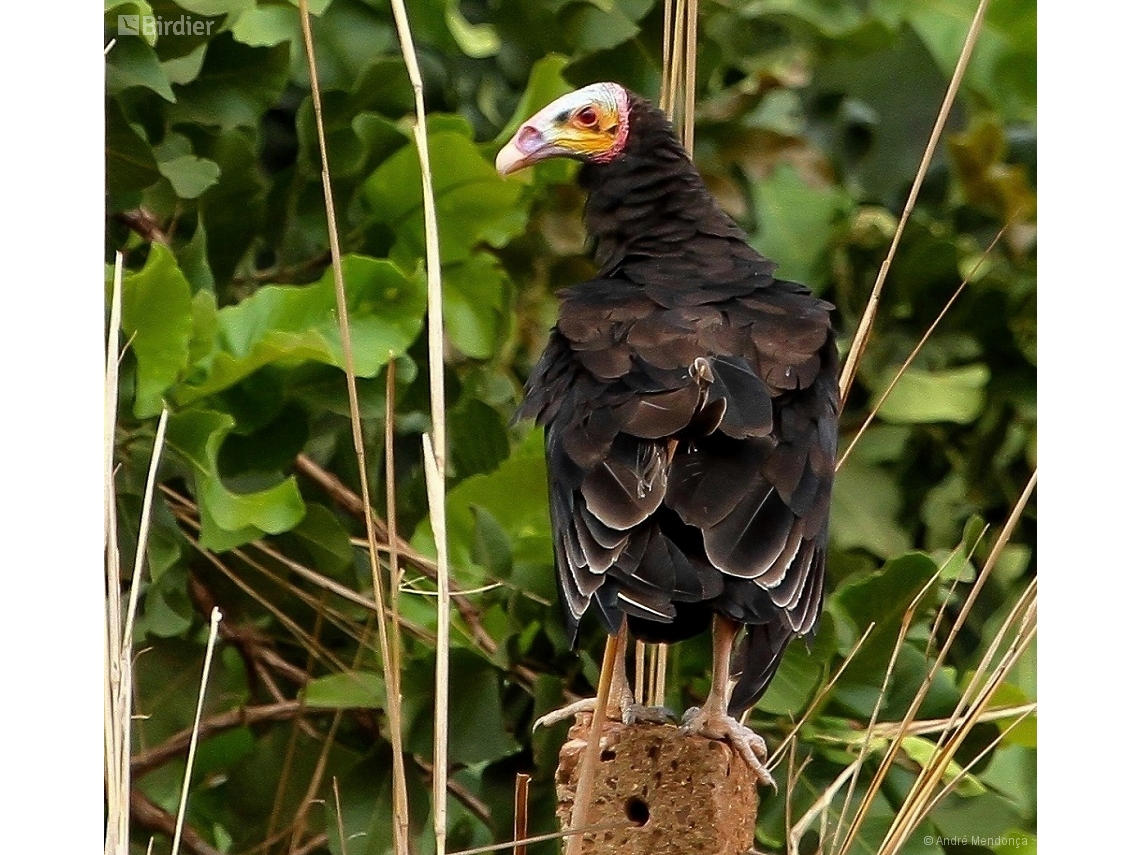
(590, 123)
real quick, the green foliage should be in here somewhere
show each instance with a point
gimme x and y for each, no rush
(812, 116)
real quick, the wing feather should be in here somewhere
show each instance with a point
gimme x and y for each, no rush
(690, 440)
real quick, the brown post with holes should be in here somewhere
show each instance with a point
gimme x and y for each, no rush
(680, 795)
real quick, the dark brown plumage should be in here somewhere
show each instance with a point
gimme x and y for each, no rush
(689, 399)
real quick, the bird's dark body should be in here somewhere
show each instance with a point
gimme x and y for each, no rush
(690, 405)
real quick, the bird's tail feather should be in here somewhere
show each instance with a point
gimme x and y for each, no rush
(756, 660)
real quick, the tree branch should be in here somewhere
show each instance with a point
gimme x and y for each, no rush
(150, 817)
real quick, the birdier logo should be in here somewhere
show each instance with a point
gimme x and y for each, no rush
(150, 26)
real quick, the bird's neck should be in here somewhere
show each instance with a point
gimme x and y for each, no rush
(650, 201)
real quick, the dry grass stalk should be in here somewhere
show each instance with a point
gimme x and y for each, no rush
(914, 808)
(990, 746)
(678, 63)
(660, 670)
(572, 833)
(688, 132)
(818, 809)
(639, 671)
(215, 619)
(399, 776)
(583, 795)
(872, 724)
(865, 745)
(892, 729)
(817, 701)
(438, 444)
(437, 511)
(116, 683)
(120, 633)
(144, 526)
(400, 812)
(859, 342)
(970, 711)
(311, 795)
(339, 815)
(303, 637)
(925, 793)
(918, 347)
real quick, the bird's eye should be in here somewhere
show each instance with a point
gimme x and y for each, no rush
(587, 117)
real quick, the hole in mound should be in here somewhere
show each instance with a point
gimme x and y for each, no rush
(608, 754)
(637, 811)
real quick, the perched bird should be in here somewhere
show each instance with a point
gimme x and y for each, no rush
(690, 405)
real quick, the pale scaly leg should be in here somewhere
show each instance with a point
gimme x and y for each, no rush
(622, 705)
(713, 721)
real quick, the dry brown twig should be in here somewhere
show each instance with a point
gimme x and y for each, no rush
(148, 816)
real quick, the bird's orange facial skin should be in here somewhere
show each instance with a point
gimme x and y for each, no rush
(588, 124)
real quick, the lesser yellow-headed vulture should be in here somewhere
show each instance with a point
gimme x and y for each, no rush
(689, 399)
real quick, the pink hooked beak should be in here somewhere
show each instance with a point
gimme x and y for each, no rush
(527, 146)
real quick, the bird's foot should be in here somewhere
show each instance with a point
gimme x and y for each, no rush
(633, 713)
(720, 725)
(563, 713)
(627, 711)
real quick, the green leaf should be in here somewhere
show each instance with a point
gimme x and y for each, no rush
(183, 69)
(132, 62)
(229, 519)
(865, 505)
(796, 221)
(350, 690)
(491, 546)
(292, 324)
(544, 85)
(923, 752)
(237, 84)
(232, 210)
(189, 175)
(325, 539)
(157, 322)
(591, 29)
(515, 495)
(890, 123)
(166, 609)
(266, 26)
(130, 163)
(316, 8)
(477, 438)
(194, 262)
(795, 682)
(481, 733)
(953, 395)
(476, 40)
(883, 596)
(114, 27)
(170, 673)
(473, 304)
(1003, 64)
(831, 18)
(210, 8)
(973, 819)
(473, 204)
